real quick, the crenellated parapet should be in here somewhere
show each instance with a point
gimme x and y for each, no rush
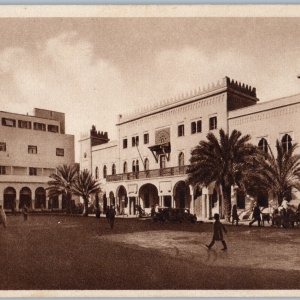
(196, 94)
(241, 87)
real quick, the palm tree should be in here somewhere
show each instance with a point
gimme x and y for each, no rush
(278, 175)
(61, 183)
(222, 161)
(84, 186)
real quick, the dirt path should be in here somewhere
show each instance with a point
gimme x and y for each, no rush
(250, 249)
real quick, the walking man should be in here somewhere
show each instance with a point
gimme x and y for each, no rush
(218, 233)
(25, 212)
(256, 215)
(112, 214)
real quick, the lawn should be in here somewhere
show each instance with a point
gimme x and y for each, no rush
(61, 252)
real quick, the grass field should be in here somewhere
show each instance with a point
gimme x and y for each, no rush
(61, 252)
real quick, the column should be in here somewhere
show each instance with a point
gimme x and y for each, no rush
(172, 201)
(60, 202)
(17, 204)
(192, 204)
(208, 206)
(33, 203)
(203, 200)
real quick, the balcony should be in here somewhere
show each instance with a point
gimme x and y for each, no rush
(148, 174)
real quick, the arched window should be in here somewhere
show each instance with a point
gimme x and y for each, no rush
(181, 159)
(263, 145)
(133, 166)
(286, 142)
(125, 167)
(113, 169)
(146, 164)
(137, 168)
(96, 173)
(104, 172)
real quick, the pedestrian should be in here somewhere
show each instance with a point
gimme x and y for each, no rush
(112, 214)
(218, 233)
(256, 215)
(25, 212)
(2, 217)
(234, 215)
(107, 214)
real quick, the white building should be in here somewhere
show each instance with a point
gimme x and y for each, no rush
(147, 164)
(31, 147)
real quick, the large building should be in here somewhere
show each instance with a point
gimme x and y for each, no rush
(147, 164)
(31, 147)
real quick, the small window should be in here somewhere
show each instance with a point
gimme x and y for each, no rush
(24, 124)
(137, 168)
(146, 164)
(212, 123)
(263, 145)
(32, 171)
(53, 128)
(32, 149)
(39, 126)
(199, 126)
(8, 122)
(96, 173)
(181, 130)
(60, 152)
(135, 141)
(133, 166)
(146, 138)
(181, 159)
(125, 143)
(3, 147)
(113, 169)
(193, 128)
(2, 170)
(125, 167)
(286, 142)
(104, 172)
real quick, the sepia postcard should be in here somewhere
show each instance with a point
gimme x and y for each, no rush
(149, 150)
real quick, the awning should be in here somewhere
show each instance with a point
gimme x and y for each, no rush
(160, 149)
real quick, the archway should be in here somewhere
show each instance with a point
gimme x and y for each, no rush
(182, 195)
(25, 197)
(40, 198)
(53, 202)
(9, 197)
(104, 202)
(64, 202)
(112, 198)
(262, 199)
(122, 205)
(149, 195)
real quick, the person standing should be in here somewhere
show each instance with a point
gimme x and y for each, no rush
(234, 215)
(256, 215)
(112, 215)
(2, 217)
(25, 212)
(218, 233)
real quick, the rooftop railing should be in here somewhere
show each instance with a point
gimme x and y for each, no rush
(179, 170)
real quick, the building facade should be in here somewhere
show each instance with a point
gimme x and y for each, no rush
(31, 147)
(147, 164)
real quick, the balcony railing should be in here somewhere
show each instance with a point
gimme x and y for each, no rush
(148, 174)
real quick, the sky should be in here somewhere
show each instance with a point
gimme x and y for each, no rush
(93, 69)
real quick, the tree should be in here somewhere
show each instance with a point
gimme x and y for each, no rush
(62, 182)
(278, 175)
(84, 186)
(222, 161)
